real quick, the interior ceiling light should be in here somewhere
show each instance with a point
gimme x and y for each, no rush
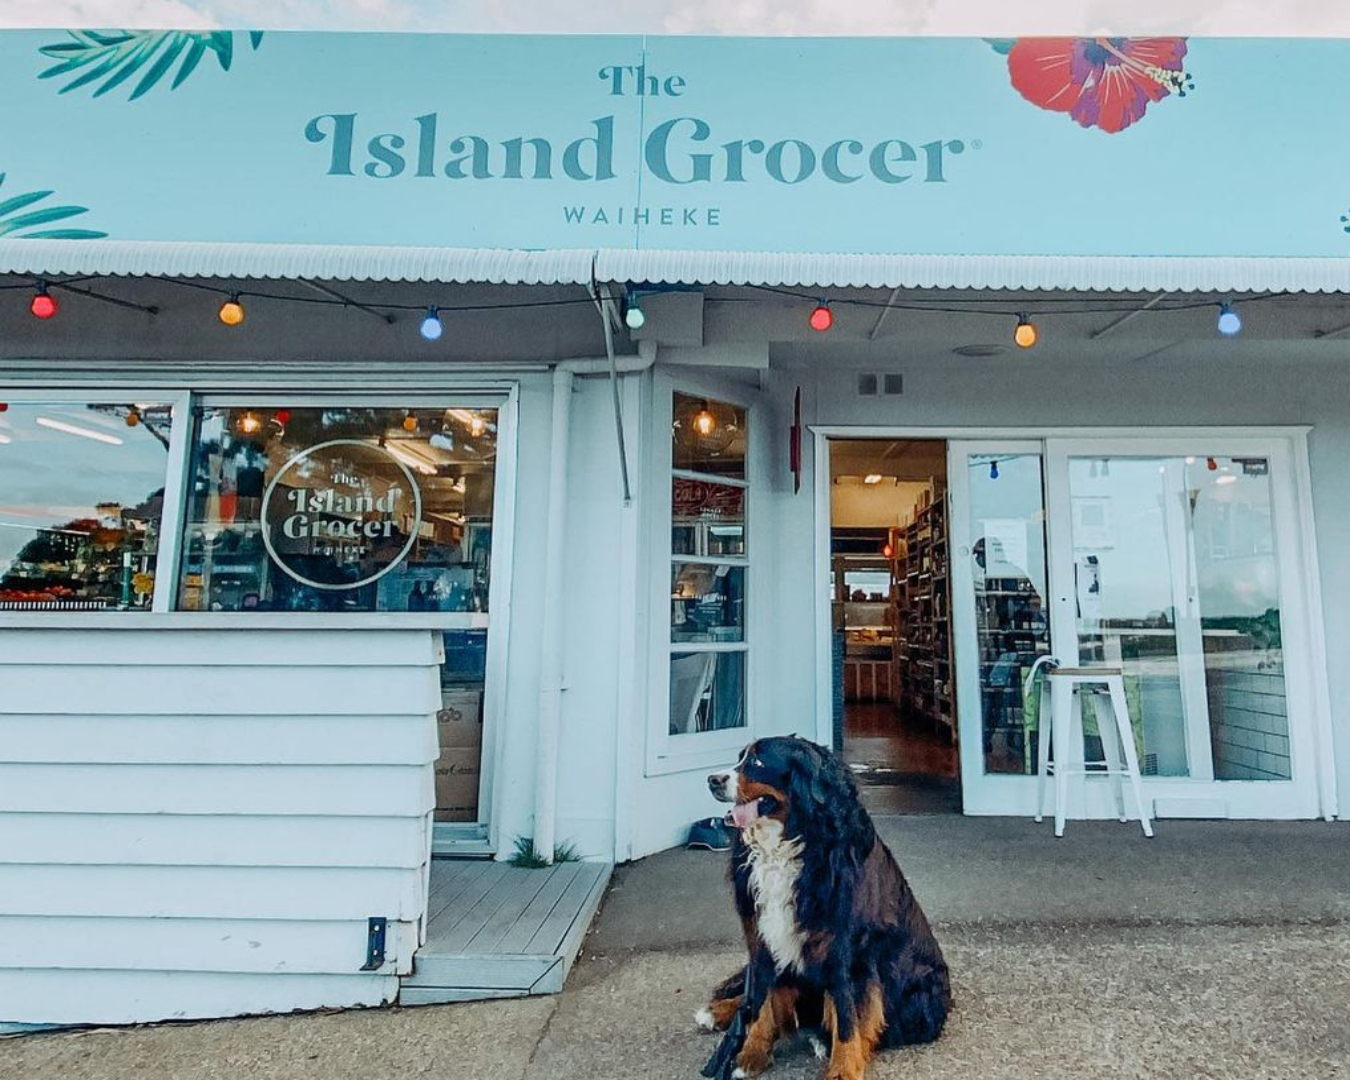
(872, 478)
(75, 429)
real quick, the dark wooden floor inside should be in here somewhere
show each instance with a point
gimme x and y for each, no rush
(902, 766)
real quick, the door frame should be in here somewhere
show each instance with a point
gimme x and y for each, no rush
(1298, 568)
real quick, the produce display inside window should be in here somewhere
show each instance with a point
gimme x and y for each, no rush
(339, 508)
(81, 498)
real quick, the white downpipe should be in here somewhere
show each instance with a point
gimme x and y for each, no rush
(552, 676)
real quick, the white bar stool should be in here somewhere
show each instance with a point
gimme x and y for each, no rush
(1121, 760)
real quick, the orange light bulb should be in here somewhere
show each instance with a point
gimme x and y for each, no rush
(1026, 334)
(231, 312)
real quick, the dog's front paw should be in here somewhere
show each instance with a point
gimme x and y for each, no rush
(818, 1047)
(705, 1019)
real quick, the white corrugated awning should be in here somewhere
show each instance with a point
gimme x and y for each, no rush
(1092, 273)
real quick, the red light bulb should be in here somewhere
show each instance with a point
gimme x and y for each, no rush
(283, 417)
(4, 406)
(44, 306)
(822, 318)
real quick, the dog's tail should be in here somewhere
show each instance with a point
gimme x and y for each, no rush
(917, 1010)
(730, 987)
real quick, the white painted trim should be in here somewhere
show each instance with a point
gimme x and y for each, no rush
(499, 614)
(173, 511)
(1323, 732)
(823, 600)
(1038, 434)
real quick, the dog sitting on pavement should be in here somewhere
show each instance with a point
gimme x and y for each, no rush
(837, 940)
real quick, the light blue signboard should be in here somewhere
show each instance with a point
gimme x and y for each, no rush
(1067, 146)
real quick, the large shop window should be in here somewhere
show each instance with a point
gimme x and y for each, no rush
(81, 502)
(339, 508)
(709, 567)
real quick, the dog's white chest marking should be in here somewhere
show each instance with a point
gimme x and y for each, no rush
(775, 864)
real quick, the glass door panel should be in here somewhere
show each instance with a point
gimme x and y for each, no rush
(1134, 604)
(1000, 610)
(1175, 580)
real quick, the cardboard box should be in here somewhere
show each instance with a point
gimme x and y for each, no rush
(457, 778)
(459, 722)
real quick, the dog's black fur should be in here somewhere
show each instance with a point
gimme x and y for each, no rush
(862, 925)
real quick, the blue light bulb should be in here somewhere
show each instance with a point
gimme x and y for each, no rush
(431, 325)
(1229, 321)
(993, 470)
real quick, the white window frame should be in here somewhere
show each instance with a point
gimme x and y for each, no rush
(500, 394)
(667, 753)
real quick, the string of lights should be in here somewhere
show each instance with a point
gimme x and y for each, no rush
(821, 318)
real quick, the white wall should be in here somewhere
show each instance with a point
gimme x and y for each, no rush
(199, 823)
(1026, 392)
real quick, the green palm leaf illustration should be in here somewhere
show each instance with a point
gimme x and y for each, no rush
(20, 218)
(112, 57)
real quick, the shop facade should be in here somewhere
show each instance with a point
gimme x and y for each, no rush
(291, 606)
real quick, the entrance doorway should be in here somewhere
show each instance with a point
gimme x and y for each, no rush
(894, 668)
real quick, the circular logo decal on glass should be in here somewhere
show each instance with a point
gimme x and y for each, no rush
(341, 514)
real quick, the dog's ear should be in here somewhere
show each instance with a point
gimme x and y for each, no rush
(819, 778)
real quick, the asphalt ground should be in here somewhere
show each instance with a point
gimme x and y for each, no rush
(1215, 950)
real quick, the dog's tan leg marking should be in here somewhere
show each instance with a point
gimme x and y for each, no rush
(778, 1015)
(848, 1060)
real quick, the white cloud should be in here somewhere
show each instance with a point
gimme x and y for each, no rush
(105, 13)
(778, 17)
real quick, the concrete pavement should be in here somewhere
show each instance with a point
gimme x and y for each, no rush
(1216, 950)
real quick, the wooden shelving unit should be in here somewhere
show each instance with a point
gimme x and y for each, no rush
(924, 674)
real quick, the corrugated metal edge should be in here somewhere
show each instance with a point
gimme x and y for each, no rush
(1095, 273)
(327, 262)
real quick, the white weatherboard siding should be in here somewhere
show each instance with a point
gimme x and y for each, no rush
(200, 823)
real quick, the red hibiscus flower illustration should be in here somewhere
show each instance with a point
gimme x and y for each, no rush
(1105, 83)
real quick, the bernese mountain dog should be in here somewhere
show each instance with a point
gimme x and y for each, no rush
(838, 944)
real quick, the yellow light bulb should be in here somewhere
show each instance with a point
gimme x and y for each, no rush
(410, 422)
(705, 423)
(249, 424)
(1025, 335)
(231, 312)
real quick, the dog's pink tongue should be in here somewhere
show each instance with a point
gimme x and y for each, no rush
(745, 813)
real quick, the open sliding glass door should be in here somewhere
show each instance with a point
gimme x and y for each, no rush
(1000, 585)
(1177, 560)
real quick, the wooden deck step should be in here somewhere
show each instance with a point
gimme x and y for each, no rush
(497, 931)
